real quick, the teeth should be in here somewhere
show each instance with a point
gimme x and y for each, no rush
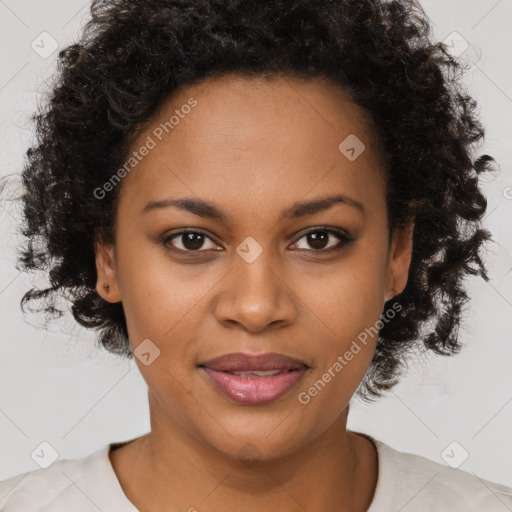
(259, 373)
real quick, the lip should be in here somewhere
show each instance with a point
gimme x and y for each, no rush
(251, 389)
(240, 361)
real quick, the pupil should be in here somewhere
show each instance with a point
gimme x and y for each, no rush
(318, 240)
(193, 241)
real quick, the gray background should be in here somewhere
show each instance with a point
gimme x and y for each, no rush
(55, 386)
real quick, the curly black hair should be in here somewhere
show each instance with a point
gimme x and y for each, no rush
(134, 53)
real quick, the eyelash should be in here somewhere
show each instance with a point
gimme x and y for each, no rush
(345, 240)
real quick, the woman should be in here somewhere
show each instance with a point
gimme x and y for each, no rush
(269, 205)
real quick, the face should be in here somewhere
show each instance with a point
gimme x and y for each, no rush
(268, 266)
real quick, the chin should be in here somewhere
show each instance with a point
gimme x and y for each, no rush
(260, 442)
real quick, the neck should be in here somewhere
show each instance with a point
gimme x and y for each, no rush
(171, 466)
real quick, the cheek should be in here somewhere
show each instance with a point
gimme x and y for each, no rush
(165, 303)
(345, 341)
(344, 311)
(345, 302)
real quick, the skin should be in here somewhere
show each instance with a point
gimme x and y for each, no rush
(253, 148)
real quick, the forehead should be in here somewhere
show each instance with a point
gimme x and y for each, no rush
(255, 137)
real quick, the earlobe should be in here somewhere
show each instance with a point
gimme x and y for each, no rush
(106, 282)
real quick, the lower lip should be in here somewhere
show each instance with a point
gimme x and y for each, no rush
(254, 390)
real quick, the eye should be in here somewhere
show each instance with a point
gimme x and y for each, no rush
(318, 239)
(189, 241)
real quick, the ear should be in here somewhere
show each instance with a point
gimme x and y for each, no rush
(107, 283)
(399, 260)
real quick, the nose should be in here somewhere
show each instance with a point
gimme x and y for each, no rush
(255, 296)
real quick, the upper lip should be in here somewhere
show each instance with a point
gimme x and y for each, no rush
(247, 362)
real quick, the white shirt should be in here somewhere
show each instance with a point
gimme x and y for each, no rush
(405, 483)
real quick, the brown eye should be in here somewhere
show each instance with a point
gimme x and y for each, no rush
(320, 240)
(189, 241)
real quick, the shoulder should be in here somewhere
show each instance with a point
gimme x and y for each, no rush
(65, 485)
(414, 483)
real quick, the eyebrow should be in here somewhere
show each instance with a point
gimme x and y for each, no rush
(210, 211)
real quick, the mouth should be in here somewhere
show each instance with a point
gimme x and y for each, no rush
(254, 379)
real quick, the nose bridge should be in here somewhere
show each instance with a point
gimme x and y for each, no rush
(255, 295)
